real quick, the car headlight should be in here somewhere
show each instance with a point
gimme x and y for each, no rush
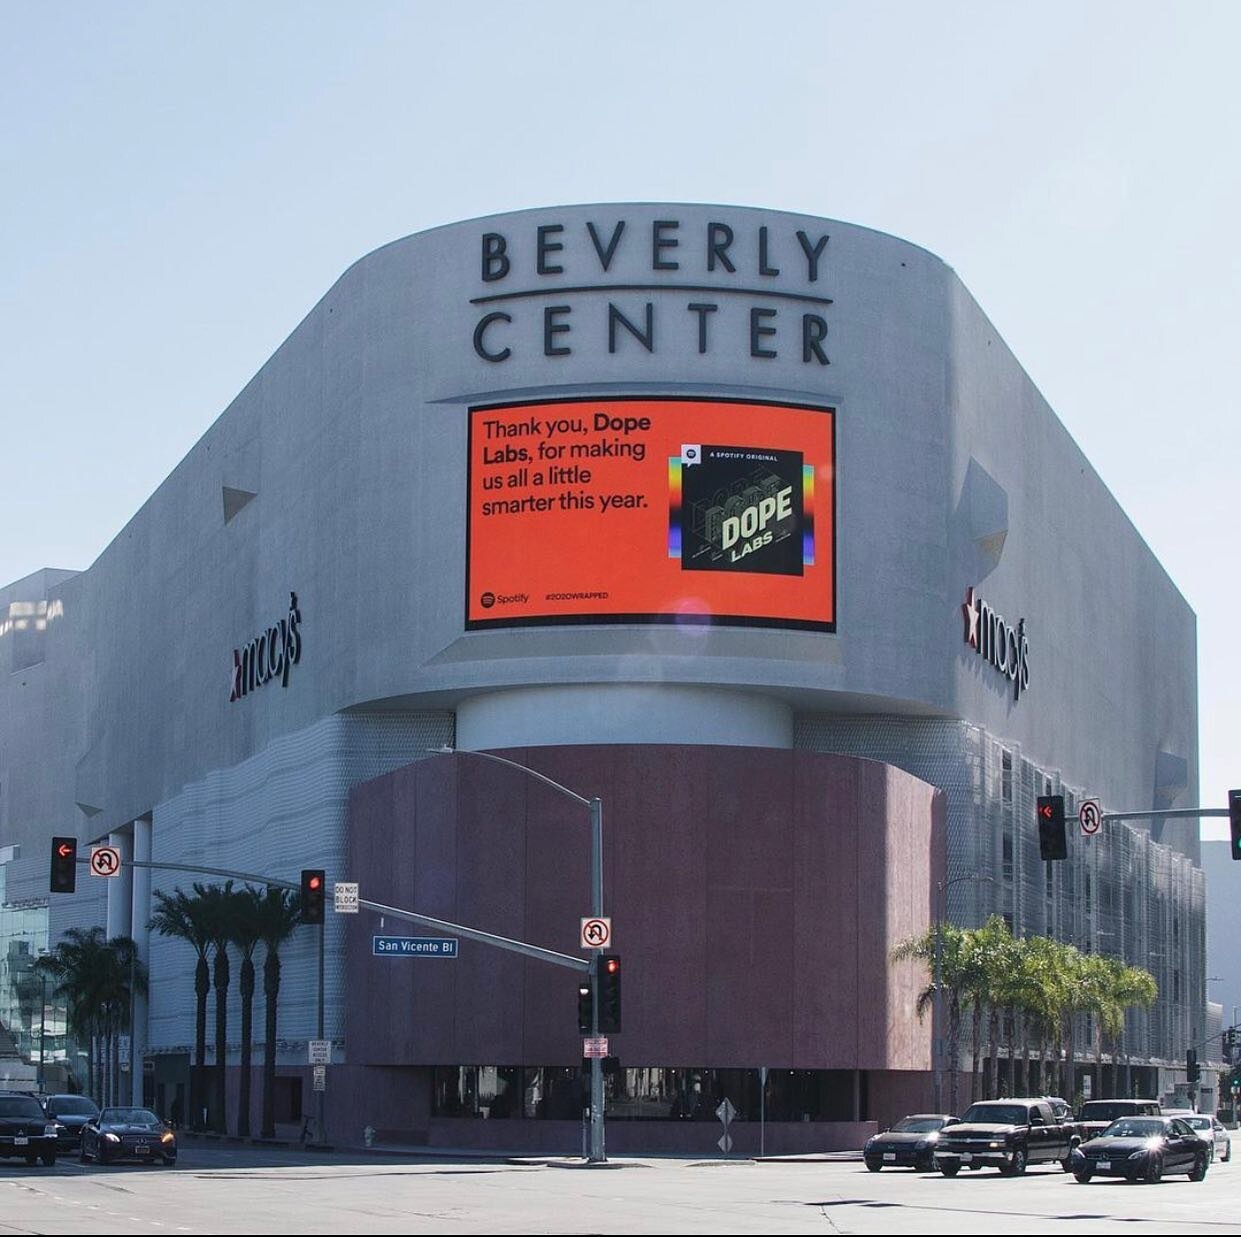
(995, 1146)
(168, 1137)
(1140, 1155)
(112, 1138)
(922, 1144)
(49, 1131)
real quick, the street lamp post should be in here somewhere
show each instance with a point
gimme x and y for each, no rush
(938, 1034)
(598, 1153)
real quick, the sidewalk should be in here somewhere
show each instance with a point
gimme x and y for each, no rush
(515, 1157)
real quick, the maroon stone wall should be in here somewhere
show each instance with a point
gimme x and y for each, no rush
(756, 896)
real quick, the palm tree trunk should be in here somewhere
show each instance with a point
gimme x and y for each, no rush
(1010, 1048)
(1026, 1089)
(976, 1047)
(247, 1034)
(993, 1052)
(90, 1063)
(198, 1088)
(271, 991)
(219, 1119)
(954, 1049)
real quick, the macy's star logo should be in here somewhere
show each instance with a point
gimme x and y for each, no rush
(970, 611)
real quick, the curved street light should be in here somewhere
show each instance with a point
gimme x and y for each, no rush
(598, 1153)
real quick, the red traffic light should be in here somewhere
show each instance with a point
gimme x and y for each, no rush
(1045, 810)
(612, 965)
(64, 850)
(314, 882)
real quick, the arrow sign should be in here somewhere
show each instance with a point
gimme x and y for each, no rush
(64, 850)
(1045, 811)
(1090, 816)
(105, 861)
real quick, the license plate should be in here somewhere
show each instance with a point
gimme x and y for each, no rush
(1105, 1166)
(142, 1150)
(21, 1141)
(966, 1158)
(889, 1155)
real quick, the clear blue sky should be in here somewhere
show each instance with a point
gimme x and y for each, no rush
(179, 183)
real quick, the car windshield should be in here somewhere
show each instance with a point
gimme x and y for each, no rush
(1199, 1123)
(19, 1106)
(996, 1114)
(918, 1125)
(1099, 1110)
(129, 1116)
(71, 1106)
(1135, 1127)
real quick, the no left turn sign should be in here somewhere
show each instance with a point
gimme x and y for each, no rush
(596, 933)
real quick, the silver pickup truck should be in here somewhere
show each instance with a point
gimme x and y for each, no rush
(1008, 1135)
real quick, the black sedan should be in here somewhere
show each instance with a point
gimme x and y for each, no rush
(128, 1134)
(71, 1113)
(26, 1131)
(910, 1143)
(1142, 1149)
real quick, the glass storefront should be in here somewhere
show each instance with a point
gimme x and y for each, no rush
(32, 1019)
(657, 1093)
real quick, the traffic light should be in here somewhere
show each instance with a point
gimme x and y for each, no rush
(1192, 1070)
(64, 865)
(313, 884)
(585, 1008)
(1234, 821)
(1230, 1046)
(609, 993)
(1052, 842)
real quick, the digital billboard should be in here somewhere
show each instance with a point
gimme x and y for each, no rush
(625, 510)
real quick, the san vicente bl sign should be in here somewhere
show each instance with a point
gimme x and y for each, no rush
(774, 319)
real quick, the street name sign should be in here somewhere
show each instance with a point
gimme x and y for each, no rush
(414, 946)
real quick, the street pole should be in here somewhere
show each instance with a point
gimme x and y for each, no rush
(322, 1095)
(597, 1153)
(42, 1033)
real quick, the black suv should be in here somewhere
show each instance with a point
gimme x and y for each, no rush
(26, 1131)
(71, 1113)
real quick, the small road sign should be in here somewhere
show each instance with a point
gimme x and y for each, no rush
(345, 897)
(725, 1144)
(595, 1046)
(596, 933)
(726, 1112)
(105, 861)
(1090, 816)
(414, 946)
(320, 1078)
(320, 1051)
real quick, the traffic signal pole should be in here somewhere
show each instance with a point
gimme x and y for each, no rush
(597, 1151)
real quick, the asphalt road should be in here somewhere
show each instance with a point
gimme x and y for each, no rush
(235, 1190)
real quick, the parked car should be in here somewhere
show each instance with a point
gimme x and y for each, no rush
(1209, 1130)
(70, 1113)
(1096, 1115)
(1142, 1149)
(25, 1130)
(128, 1134)
(1005, 1134)
(910, 1143)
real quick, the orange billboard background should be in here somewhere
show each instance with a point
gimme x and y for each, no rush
(651, 510)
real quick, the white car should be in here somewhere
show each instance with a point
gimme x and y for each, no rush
(1209, 1129)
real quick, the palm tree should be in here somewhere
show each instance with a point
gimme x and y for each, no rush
(279, 913)
(98, 979)
(996, 953)
(1135, 986)
(955, 974)
(181, 916)
(1042, 998)
(247, 932)
(217, 902)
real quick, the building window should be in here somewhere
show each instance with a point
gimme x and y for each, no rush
(1007, 865)
(1006, 776)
